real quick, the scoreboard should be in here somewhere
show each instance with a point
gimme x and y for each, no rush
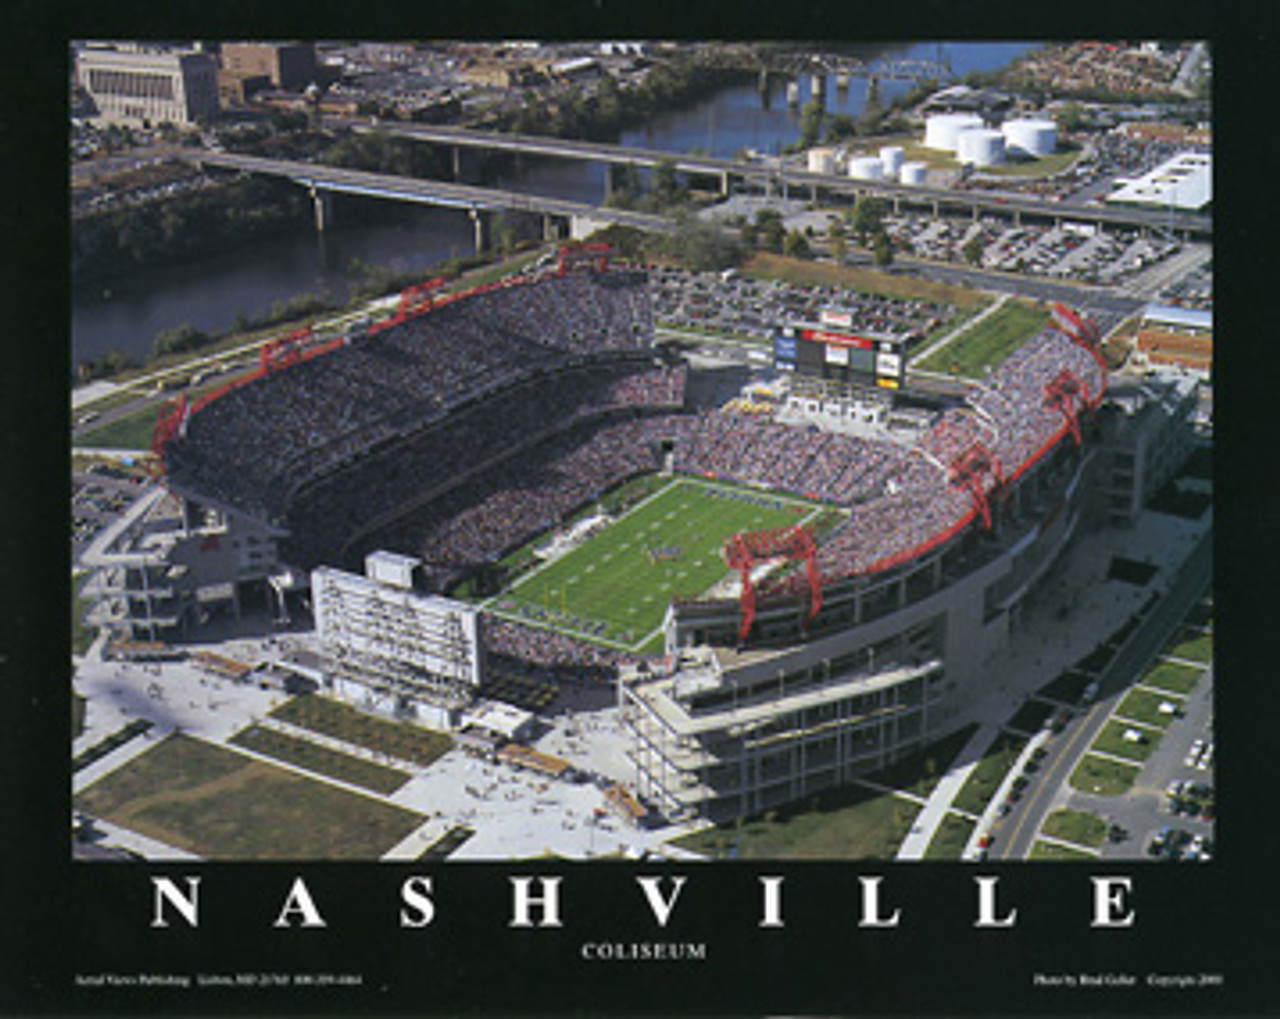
(839, 354)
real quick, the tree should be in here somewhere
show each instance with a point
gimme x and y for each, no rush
(835, 239)
(810, 123)
(972, 250)
(794, 245)
(867, 217)
(882, 248)
(665, 184)
(839, 127)
(771, 230)
(700, 245)
(1071, 117)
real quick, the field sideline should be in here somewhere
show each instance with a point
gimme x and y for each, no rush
(614, 588)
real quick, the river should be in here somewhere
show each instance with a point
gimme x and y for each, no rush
(125, 314)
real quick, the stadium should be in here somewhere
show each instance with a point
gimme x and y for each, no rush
(778, 606)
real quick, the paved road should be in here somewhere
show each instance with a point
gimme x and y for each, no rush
(1017, 832)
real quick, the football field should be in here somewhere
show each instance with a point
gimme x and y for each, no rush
(614, 588)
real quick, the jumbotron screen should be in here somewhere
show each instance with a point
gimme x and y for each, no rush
(838, 354)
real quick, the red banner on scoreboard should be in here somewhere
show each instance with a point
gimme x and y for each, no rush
(837, 339)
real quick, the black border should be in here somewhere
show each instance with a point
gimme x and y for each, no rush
(60, 919)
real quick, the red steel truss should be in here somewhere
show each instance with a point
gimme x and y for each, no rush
(283, 351)
(418, 298)
(571, 256)
(746, 548)
(980, 471)
(1066, 394)
(168, 422)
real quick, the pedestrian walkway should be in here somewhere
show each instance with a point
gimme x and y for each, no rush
(935, 809)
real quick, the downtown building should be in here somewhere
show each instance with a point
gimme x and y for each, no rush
(143, 87)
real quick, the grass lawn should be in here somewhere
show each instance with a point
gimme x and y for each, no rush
(857, 825)
(133, 431)
(1144, 706)
(616, 586)
(404, 740)
(1050, 851)
(77, 714)
(1103, 777)
(1179, 679)
(989, 772)
(1076, 826)
(1195, 647)
(988, 342)
(922, 771)
(81, 634)
(377, 778)
(868, 281)
(222, 805)
(1044, 166)
(1111, 740)
(951, 837)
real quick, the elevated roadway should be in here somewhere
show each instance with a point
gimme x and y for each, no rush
(322, 179)
(726, 169)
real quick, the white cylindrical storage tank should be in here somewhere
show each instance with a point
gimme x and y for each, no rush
(866, 168)
(911, 173)
(980, 146)
(942, 130)
(1032, 137)
(820, 160)
(891, 160)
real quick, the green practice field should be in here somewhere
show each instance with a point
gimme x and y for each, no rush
(614, 588)
(988, 342)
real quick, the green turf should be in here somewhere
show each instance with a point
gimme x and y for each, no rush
(1103, 777)
(322, 760)
(1111, 741)
(864, 826)
(1171, 676)
(404, 740)
(133, 431)
(223, 805)
(1051, 851)
(615, 588)
(82, 634)
(1193, 646)
(1076, 826)
(988, 773)
(77, 714)
(1144, 706)
(950, 838)
(988, 342)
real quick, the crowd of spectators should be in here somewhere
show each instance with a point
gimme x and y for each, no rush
(485, 434)
(255, 444)
(539, 653)
(831, 466)
(900, 497)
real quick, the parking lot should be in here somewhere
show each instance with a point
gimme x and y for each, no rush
(754, 308)
(1071, 251)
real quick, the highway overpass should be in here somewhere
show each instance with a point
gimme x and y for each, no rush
(322, 181)
(770, 176)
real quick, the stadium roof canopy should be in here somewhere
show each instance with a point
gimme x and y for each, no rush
(1183, 182)
(1168, 314)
